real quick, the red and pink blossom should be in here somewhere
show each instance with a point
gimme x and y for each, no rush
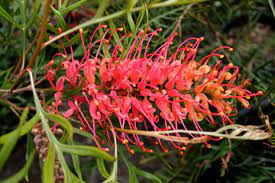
(164, 89)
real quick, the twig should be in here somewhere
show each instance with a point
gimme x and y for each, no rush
(13, 105)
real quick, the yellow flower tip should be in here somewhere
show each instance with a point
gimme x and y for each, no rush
(150, 151)
(221, 113)
(96, 103)
(180, 153)
(120, 49)
(247, 97)
(156, 143)
(136, 119)
(221, 138)
(231, 49)
(120, 29)
(201, 38)
(104, 26)
(106, 149)
(165, 151)
(221, 56)
(59, 29)
(116, 109)
(168, 127)
(125, 141)
(260, 93)
(208, 146)
(132, 151)
(230, 65)
(80, 30)
(183, 148)
(228, 92)
(82, 129)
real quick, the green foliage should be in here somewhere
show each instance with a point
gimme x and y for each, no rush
(245, 25)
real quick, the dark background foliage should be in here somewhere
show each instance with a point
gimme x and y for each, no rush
(247, 26)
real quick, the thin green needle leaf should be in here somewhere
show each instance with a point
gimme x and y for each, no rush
(9, 18)
(48, 167)
(69, 176)
(76, 164)
(11, 142)
(102, 6)
(60, 18)
(72, 7)
(83, 150)
(21, 174)
(129, 8)
(116, 15)
(24, 130)
(101, 168)
(83, 133)
(271, 4)
(148, 175)
(61, 121)
(131, 170)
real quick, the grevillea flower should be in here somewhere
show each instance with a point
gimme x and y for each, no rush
(145, 90)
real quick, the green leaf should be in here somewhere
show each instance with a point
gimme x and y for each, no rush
(29, 150)
(118, 14)
(69, 176)
(83, 133)
(132, 176)
(148, 175)
(116, 36)
(9, 18)
(11, 142)
(102, 6)
(129, 8)
(61, 121)
(271, 4)
(21, 174)
(24, 130)
(83, 150)
(76, 164)
(131, 169)
(140, 18)
(133, 172)
(48, 167)
(72, 7)
(101, 168)
(60, 18)
(6, 83)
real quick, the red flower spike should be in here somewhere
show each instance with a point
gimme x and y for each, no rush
(151, 91)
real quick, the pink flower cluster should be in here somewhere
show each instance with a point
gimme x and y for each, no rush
(144, 90)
